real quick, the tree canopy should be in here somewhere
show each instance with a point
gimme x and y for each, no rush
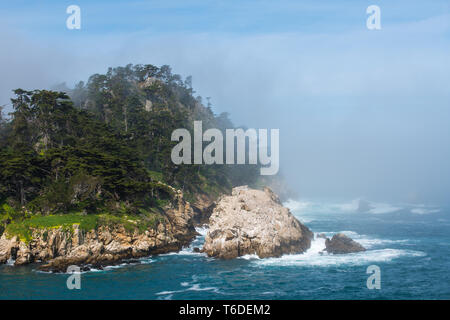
(105, 144)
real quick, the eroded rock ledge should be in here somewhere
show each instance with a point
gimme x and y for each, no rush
(254, 222)
(61, 247)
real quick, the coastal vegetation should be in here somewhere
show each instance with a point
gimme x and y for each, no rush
(24, 228)
(99, 153)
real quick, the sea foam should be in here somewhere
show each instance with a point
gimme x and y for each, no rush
(315, 256)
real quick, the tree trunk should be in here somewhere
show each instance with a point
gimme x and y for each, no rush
(22, 193)
(126, 119)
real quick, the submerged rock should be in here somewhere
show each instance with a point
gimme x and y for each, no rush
(254, 222)
(340, 244)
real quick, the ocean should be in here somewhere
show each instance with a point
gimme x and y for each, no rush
(409, 243)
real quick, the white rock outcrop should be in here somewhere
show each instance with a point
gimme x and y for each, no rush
(254, 222)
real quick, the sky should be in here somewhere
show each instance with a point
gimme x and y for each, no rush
(362, 113)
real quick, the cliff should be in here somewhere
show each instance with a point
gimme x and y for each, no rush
(60, 246)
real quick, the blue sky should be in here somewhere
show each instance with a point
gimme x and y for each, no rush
(46, 18)
(361, 113)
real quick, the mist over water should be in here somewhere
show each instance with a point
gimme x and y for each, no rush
(361, 114)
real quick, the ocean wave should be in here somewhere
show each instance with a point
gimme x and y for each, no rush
(327, 260)
(196, 243)
(202, 230)
(306, 210)
(351, 206)
(145, 260)
(125, 263)
(193, 287)
(383, 208)
(249, 257)
(323, 207)
(315, 256)
(367, 241)
(166, 292)
(370, 243)
(424, 210)
(351, 234)
(297, 206)
(185, 251)
(189, 251)
(354, 206)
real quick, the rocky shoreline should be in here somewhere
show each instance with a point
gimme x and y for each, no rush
(58, 248)
(246, 222)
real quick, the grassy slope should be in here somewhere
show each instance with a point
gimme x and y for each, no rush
(23, 229)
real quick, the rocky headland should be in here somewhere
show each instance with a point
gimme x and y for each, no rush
(254, 222)
(247, 222)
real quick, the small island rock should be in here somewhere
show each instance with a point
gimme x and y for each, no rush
(340, 244)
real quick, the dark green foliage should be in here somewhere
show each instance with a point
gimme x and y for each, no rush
(60, 159)
(107, 147)
(119, 98)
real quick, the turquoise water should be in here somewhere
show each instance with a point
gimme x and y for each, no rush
(411, 249)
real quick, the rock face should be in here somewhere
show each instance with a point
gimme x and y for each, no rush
(8, 248)
(203, 207)
(107, 245)
(254, 222)
(340, 244)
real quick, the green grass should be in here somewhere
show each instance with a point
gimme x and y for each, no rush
(24, 228)
(155, 175)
